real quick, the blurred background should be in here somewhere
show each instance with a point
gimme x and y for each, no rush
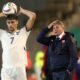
(47, 10)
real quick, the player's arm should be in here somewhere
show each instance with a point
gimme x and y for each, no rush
(1, 30)
(2, 15)
(31, 15)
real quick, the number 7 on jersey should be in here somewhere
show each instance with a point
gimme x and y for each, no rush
(12, 38)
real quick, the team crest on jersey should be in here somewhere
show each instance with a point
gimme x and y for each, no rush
(63, 41)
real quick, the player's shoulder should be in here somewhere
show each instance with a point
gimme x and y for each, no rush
(23, 29)
(2, 31)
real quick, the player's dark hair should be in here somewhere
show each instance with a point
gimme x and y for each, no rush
(11, 17)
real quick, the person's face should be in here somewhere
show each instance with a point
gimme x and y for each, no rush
(12, 25)
(58, 29)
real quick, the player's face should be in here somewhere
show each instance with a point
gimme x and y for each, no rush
(57, 29)
(12, 25)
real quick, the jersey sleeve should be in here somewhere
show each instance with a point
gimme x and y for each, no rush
(24, 31)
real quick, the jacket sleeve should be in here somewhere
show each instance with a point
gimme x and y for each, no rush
(73, 55)
(42, 38)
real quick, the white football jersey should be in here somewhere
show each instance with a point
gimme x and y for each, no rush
(14, 47)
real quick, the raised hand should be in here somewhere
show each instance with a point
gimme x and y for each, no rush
(2, 15)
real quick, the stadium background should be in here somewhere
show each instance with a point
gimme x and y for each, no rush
(47, 11)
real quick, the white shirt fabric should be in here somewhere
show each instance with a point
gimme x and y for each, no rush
(14, 47)
(13, 73)
(61, 35)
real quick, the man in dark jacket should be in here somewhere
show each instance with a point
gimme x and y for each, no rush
(61, 54)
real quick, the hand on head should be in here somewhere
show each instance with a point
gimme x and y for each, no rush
(20, 10)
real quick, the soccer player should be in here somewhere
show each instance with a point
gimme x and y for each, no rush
(14, 45)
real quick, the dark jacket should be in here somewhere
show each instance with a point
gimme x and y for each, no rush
(61, 54)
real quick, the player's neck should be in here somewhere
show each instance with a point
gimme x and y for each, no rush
(12, 31)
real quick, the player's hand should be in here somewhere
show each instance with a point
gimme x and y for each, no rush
(42, 75)
(2, 15)
(20, 10)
